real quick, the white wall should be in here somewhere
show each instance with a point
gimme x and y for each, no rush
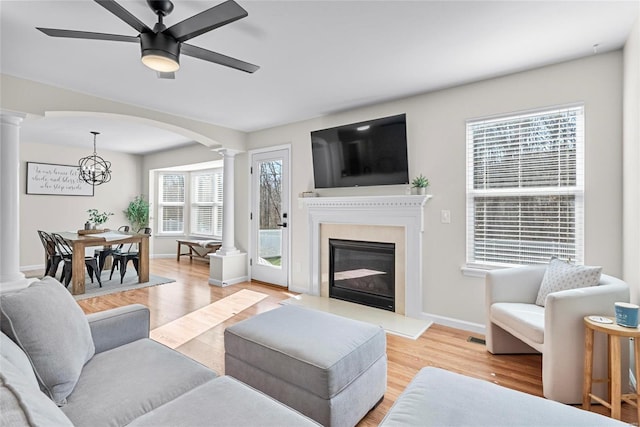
(69, 213)
(436, 136)
(631, 150)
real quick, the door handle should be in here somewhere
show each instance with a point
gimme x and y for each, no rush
(284, 224)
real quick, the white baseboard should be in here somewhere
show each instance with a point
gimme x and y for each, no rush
(455, 323)
(300, 290)
(229, 282)
(158, 256)
(24, 268)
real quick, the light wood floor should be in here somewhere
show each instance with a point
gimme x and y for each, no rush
(439, 346)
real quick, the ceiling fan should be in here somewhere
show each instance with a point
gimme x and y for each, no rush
(161, 46)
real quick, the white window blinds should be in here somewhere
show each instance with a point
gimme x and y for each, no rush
(525, 184)
(171, 203)
(206, 208)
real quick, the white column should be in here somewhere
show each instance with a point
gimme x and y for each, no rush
(228, 211)
(10, 276)
(228, 265)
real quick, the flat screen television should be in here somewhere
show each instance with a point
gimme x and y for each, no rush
(361, 154)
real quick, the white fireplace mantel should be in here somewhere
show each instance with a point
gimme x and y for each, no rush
(396, 210)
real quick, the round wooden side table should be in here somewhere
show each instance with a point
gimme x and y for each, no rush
(614, 334)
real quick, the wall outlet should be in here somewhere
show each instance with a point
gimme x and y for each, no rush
(445, 216)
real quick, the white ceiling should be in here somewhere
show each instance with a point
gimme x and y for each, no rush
(316, 57)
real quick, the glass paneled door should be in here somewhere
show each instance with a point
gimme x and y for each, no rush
(270, 217)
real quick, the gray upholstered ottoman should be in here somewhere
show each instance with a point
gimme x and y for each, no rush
(330, 368)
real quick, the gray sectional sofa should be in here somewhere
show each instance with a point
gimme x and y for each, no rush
(103, 370)
(436, 397)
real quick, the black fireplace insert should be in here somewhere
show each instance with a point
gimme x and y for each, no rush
(362, 272)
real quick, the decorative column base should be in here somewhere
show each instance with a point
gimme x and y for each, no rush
(226, 252)
(226, 270)
(15, 285)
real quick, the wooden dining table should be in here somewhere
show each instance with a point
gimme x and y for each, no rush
(79, 242)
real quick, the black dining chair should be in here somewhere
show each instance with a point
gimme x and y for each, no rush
(122, 258)
(108, 251)
(53, 257)
(67, 256)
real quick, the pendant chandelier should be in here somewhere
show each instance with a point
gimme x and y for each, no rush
(94, 169)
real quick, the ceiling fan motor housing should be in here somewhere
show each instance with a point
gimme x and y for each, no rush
(160, 45)
(161, 7)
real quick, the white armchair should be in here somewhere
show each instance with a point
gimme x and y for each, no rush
(515, 324)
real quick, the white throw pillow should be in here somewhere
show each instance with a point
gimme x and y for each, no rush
(50, 327)
(561, 276)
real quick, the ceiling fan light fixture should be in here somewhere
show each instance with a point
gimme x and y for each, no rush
(159, 52)
(161, 63)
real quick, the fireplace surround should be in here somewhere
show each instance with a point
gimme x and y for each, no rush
(403, 212)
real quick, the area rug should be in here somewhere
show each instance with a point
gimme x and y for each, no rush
(393, 323)
(129, 282)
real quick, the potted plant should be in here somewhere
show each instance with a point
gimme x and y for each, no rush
(138, 213)
(420, 183)
(96, 218)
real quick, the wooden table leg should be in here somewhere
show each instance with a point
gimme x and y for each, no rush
(178, 253)
(77, 269)
(616, 379)
(588, 368)
(143, 253)
(636, 344)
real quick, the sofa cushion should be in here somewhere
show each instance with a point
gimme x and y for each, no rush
(47, 323)
(434, 398)
(227, 401)
(10, 352)
(22, 402)
(562, 276)
(119, 385)
(522, 320)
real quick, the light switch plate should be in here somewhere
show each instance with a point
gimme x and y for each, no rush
(445, 216)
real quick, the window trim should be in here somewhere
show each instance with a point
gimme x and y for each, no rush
(478, 268)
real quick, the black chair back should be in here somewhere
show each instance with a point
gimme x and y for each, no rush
(51, 253)
(62, 246)
(47, 242)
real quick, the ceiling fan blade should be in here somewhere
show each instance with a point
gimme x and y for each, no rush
(161, 75)
(217, 16)
(124, 14)
(72, 34)
(218, 58)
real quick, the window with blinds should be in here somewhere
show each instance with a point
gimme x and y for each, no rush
(525, 188)
(171, 203)
(206, 205)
